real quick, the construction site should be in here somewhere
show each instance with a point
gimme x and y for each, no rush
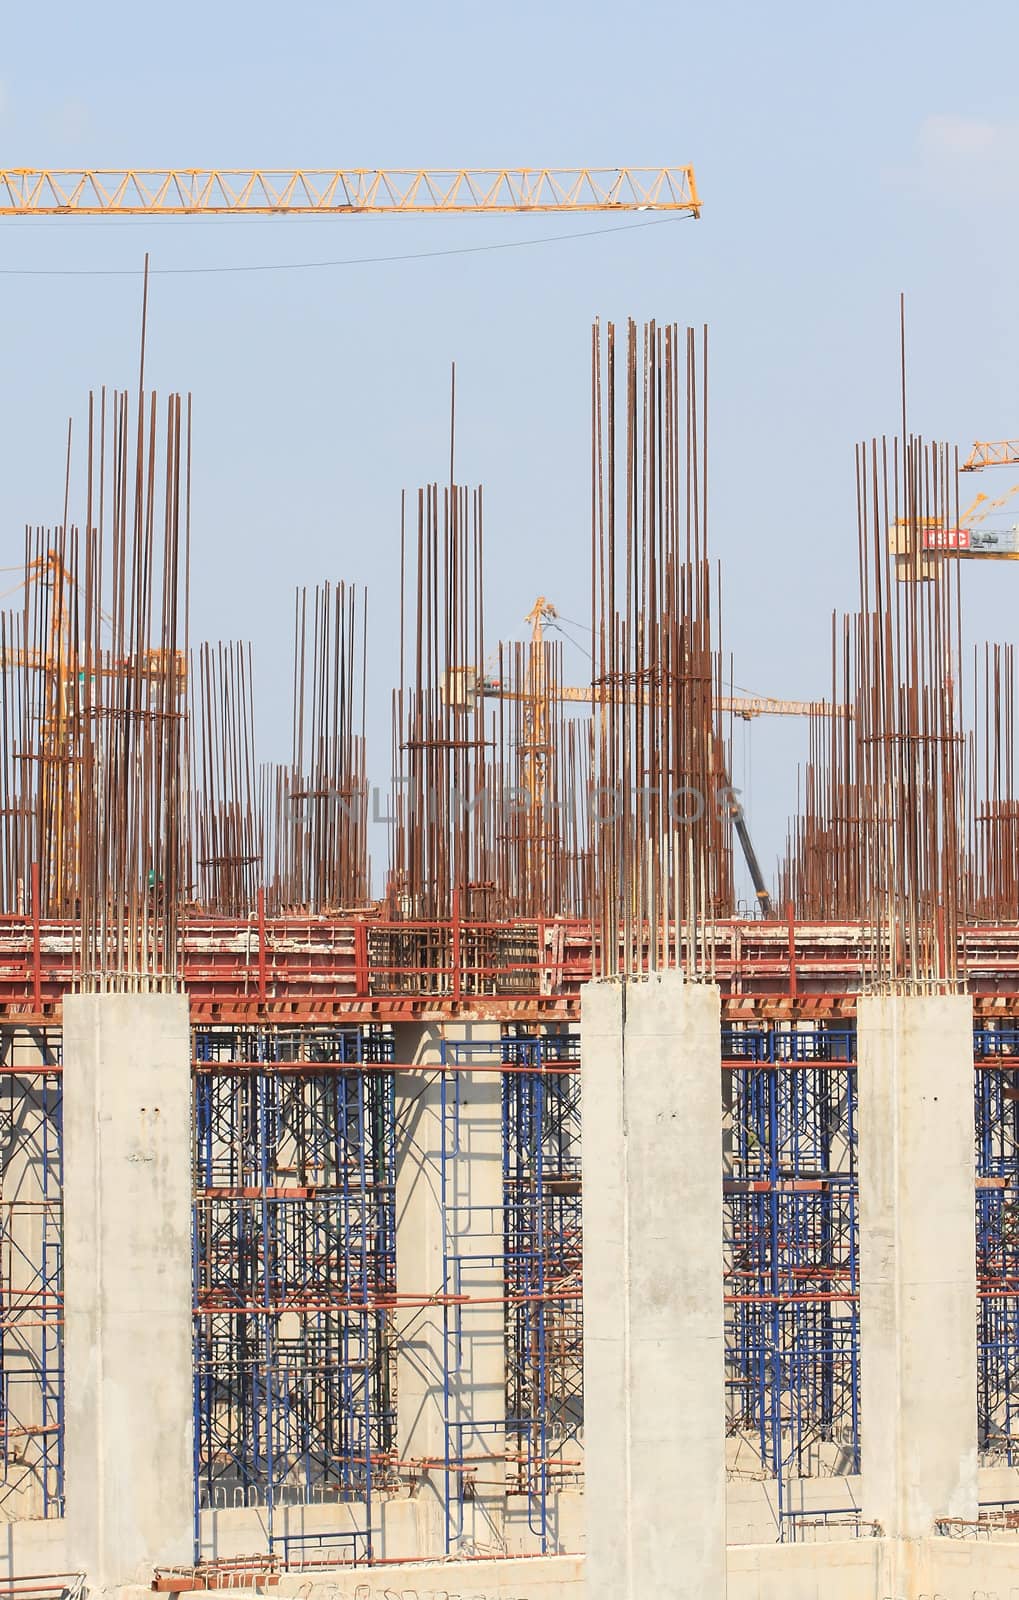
(509, 1211)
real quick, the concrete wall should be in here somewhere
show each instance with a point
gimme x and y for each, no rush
(127, 1283)
(752, 1515)
(918, 1350)
(30, 1547)
(557, 1578)
(877, 1569)
(856, 1569)
(241, 1530)
(653, 1314)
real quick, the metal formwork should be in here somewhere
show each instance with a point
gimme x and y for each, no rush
(294, 1249)
(791, 1251)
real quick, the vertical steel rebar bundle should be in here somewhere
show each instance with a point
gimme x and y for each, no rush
(93, 687)
(882, 837)
(661, 824)
(542, 788)
(908, 720)
(993, 877)
(273, 806)
(821, 875)
(442, 763)
(133, 685)
(320, 825)
(39, 760)
(226, 835)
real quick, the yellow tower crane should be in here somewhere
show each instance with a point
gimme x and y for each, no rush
(535, 745)
(344, 191)
(967, 542)
(1003, 453)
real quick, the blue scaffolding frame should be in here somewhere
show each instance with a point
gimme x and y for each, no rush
(540, 1263)
(792, 1242)
(294, 1247)
(316, 1410)
(31, 1274)
(544, 1266)
(996, 1100)
(462, 1437)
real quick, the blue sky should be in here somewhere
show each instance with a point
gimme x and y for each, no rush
(843, 154)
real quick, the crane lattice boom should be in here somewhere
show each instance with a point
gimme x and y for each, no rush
(180, 191)
(1001, 453)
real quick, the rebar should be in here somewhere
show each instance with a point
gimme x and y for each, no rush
(662, 850)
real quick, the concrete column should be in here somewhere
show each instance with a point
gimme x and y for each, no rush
(127, 1284)
(918, 1356)
(463, 1347)
(654, 1385)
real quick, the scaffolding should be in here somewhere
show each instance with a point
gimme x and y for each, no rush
(295, 1265)
(472, 1295)
(294, 1261)
(533, 1246)
(31, 1275)
(996, 1054)
(791, 1253)
(544, 1264)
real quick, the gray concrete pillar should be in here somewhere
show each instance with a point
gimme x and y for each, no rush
(127, 1284)
(451, 1364)
(654, 1383)
(918, 1351)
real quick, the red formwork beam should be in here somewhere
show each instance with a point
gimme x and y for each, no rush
(320, 969)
